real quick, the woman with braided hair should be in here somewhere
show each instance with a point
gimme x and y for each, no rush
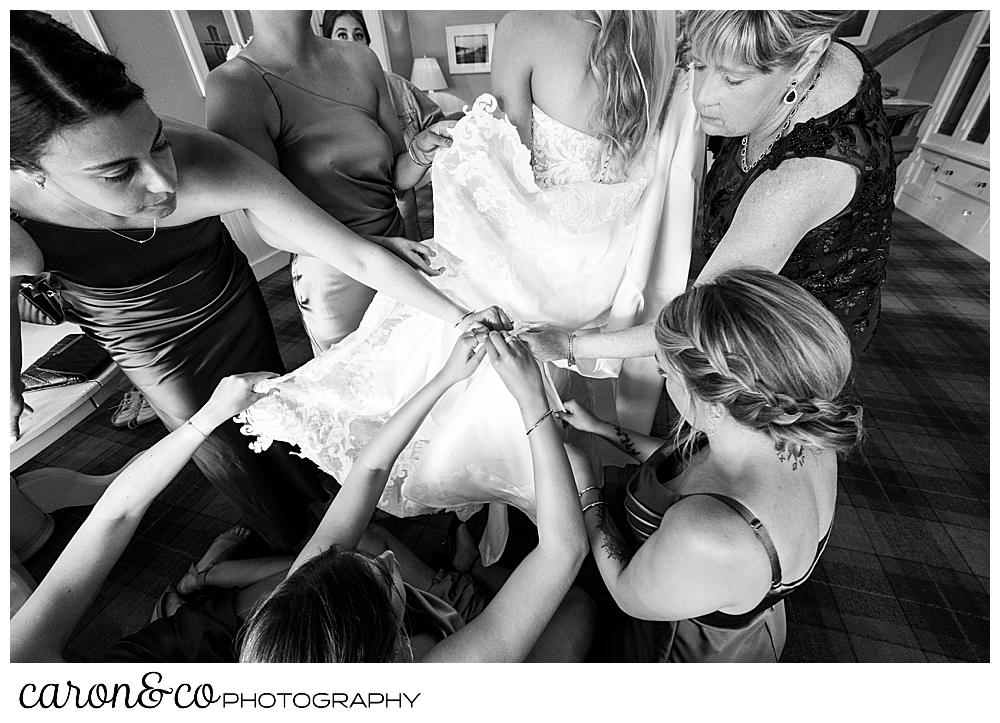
(730, 516)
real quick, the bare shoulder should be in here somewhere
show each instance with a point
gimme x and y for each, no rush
(25, 256)
(841, 76)
(236, 76)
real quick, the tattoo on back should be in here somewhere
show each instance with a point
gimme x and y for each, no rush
(626, 441)
(614, 544)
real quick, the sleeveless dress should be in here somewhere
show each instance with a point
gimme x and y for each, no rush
(340, 158)
(756, 636)
(550, 240)
(842, 261)
(177, 314)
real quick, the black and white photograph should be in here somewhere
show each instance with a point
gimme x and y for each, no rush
(460, 335)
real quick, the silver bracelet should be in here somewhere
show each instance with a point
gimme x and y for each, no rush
(413, 157)
(570, 359)
(585, 490)
(189, 423)
(466, 316)
(540, 420)
(594, 504)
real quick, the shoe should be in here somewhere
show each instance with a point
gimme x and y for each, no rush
(145, 415)
(127, 409)
(167, 604)
(224, 547)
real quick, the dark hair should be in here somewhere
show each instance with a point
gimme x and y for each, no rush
(58, 80)
(330, 17)
(332, 609)
(769, 352)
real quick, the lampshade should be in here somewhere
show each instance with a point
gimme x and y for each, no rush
(427, 74)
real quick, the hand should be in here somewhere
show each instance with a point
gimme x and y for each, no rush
(426, 143)
(17, 408)
(233, 395)
(492, 318)
(547, 343)
(465, 359)
(414, 253)
(516, 366)
(579, 417)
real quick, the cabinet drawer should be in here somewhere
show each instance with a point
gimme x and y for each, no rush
(921, 178)
(966, 178)
(957, 216)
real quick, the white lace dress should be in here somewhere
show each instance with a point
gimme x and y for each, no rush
(549, 241)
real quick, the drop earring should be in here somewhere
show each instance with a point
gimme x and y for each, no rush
(793, 94)
(40, 184)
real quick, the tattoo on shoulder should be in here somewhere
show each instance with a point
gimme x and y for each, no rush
(626, 441)
(615, 545)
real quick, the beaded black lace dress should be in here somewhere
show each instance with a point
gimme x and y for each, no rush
(842, 261)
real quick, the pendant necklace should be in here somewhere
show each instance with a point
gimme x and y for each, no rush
(116, 233)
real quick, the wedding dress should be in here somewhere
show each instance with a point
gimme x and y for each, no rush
(556, 236)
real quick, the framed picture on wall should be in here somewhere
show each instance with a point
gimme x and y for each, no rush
(858, 29)
(470, 47)
(207, 37)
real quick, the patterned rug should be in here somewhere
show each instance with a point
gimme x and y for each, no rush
(904, 578)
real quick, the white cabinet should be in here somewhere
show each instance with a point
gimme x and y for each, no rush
(946, 182)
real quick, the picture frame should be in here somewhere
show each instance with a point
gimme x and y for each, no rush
(470, 47)
(207, 36)
(858, 29)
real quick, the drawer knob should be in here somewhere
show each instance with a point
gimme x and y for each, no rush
(966, 213)
(981, 184)
(949, 173)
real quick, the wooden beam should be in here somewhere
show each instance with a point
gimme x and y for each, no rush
(897, 41)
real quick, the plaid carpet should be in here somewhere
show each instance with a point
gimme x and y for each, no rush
(904, 578)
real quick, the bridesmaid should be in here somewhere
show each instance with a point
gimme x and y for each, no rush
(321, 113)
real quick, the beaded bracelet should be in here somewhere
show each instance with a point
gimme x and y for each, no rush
(540, 420)
(189, 423)
(570, 359)
(413, 157)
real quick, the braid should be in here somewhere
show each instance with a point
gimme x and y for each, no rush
(767, 351)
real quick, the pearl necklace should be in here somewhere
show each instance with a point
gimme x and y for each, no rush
(129, 238)
(781, 131)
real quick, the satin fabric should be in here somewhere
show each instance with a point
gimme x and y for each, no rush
(177, 314)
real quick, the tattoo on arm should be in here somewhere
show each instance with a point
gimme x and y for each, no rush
(614, 544)
(626, 441)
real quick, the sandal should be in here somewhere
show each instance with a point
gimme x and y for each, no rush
(224, 547)
(167, 604)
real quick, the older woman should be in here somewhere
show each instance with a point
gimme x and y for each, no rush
(803, 182)
(733, 514)
(123, 207)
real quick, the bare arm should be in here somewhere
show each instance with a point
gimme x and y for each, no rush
(779, 209)
(25, 260)
(510, 77)
(513, 621)
(698, 561)
(352, 508)
(639, 446)
(232, 178)
(40, 629)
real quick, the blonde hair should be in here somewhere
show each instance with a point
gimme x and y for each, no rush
(769, 352)
(761, 39)
(632, 58)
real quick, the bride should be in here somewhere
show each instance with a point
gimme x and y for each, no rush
(551, 212)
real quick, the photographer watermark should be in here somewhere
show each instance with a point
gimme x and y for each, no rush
(152, 691)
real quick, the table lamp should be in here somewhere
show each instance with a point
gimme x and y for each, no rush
(427, 75)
